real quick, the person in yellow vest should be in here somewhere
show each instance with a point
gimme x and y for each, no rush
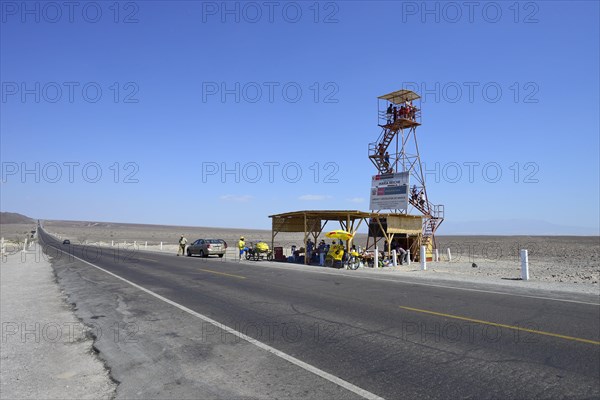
(241, 246)
(182, 243)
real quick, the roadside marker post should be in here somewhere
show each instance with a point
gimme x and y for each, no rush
(408, 257)
(449, 255)
(146, 245)
(423, 259)
(437, 255)
(160, 246)
(524, 265)
(394, 262)
(376, 260)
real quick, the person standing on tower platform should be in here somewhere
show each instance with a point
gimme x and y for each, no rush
(389, 114)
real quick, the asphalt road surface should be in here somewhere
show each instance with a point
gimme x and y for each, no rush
(323, 333)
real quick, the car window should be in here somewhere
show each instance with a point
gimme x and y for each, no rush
(214, 241)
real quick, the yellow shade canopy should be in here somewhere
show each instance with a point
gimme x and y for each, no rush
(339, 234)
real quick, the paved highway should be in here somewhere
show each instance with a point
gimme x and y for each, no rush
(323, 333)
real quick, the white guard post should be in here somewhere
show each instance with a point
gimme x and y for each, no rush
(394, 262)
(423, 259)
(524, 265)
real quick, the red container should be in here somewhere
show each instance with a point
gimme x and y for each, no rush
(278, 253)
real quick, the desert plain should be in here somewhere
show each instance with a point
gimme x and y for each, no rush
(569, 259)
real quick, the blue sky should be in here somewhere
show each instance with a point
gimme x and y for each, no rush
(161, 98)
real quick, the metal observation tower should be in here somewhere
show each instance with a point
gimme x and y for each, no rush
(396, 150)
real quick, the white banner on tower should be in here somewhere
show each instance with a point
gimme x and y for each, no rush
(390, 191)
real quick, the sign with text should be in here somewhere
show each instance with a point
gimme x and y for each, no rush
(389, 191)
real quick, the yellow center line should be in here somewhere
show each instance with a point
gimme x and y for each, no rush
(223, 273)
(479, 321)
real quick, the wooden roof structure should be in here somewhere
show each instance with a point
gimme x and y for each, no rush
(400, 96)
(312, 222)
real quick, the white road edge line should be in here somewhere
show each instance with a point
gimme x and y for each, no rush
(316, 271)
(325, 375)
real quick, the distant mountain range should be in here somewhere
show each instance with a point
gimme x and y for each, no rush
(514, 227)
(14, 218)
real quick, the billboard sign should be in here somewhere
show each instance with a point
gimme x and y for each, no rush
(390, 191)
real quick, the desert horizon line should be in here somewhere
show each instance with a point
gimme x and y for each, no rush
(268, 230)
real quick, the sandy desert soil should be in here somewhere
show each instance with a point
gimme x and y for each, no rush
(16, 232)
(54, 359)
(572, 259)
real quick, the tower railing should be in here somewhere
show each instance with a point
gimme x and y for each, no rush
(384, 117)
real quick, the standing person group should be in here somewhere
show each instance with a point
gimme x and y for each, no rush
(418, 196)
(406, 111)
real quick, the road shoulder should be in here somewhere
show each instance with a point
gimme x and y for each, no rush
(46, 351)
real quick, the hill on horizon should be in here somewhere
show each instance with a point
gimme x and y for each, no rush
(14, 218)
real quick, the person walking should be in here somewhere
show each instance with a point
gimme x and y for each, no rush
(241, 246)
(182, 243)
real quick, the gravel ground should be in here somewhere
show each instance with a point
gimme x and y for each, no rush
(46, 351)
(558, 259)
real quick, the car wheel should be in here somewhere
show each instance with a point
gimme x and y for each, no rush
(220, 255)
(269, 256)
(201, 253)
(189, 253)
